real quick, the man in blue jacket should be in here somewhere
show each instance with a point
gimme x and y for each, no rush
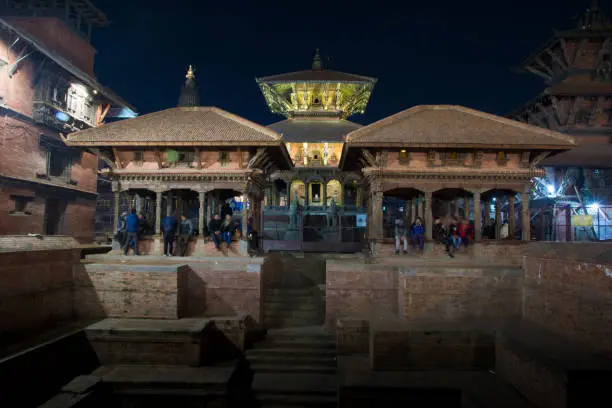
(133, 228)
(169, 226)
(186, 231)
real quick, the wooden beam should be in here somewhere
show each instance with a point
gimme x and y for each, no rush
(561, 116)
(369, 158)
(117, 160)
(111, 163)
(101, 113)
(545, 67)
(198, 158)
(549, 115)
(565, 50)
(538, 72)
(571, 119)
(554, 56)
(539, 158)
(256, 157)
(596, 110)
(579, 49)
(240, 160)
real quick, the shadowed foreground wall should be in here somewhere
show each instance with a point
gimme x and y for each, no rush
(568, 289)
(36, 282)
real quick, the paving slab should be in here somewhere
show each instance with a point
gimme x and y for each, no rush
(295, 383)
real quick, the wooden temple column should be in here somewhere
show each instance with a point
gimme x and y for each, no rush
(117, 196)
(420, 206)
(169, 198)
(477, 217)
(511, 217)
(428, 216)
(245, 215)
(487, 212)
(375, 233)
(208, 207)
(158, 211)
(324, 194)
(412, 210)
(201, 224)
(456, 208)
(498, 218)
(525, 218)
(466, 208)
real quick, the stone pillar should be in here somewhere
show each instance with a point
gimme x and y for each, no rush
(201, 214)
(208, 207)
(324, 194)
(477, 217)
(420, 206)
(525, 218)
(466, 208)
(158, 212)
(487, 212)
(116, 209)
(449, 210)
(511, 217)
(169, 197)
(498, 218)
(245, 217)
(376, 230)
(428, 216)
(412, 210)
(456, 209)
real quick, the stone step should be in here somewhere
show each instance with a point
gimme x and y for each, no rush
(275, 360)
(291, 291)
(299, 343)
(292, 314)
(290, 352)
(276, 305)
(291, 322)
(293, 401)
(295, 383)
(292, 299)
(311, 333)
(285, 368)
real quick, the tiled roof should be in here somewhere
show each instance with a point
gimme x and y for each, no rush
(179, 126)
(587, 155)
(429, 126)
(314, 129)
(320, 75)
(68, 66)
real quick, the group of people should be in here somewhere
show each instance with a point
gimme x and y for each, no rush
(172, 229)
(452, 236)
(131, 226)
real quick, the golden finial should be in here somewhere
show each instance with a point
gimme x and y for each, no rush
(190, 73)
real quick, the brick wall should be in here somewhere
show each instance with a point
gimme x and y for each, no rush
(36, 288)
(79, 219)
(137, 291)
(568, 289)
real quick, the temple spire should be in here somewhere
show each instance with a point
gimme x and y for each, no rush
(317, 65)
(190, 95)
(594, 19)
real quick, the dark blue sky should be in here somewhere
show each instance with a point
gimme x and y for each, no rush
(444, 52)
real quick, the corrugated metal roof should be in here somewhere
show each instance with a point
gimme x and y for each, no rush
(314, 130)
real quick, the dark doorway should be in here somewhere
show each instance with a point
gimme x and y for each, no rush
(54, 216)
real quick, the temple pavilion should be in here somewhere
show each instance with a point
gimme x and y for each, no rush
(189, 159)
(316, 181)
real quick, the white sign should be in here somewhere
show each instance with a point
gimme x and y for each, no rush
(362, 220)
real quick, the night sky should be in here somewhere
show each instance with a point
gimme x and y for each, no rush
(445, 52)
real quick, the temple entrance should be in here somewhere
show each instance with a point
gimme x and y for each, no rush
(54, 216)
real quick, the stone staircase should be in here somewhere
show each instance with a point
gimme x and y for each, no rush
(293, 307)
(294, 368)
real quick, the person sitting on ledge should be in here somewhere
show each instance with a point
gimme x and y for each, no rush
(228, 227)
(214, 226)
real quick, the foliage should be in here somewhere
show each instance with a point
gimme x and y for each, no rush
(172, 156)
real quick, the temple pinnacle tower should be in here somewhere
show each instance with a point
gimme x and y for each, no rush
(190, 95)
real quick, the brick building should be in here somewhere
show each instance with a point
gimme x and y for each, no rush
(47, 87)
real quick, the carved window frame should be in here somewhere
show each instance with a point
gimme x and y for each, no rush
(138, 157)
(20, 205)
(404, 156)
(224, 158)
(501, 158)
(431, 158)
(452, 158)
(525, 160)
(478, 156)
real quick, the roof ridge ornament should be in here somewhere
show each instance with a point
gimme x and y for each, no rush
(594, 18)
(190, 73)
(317, 65)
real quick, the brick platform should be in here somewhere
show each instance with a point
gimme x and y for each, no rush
(172, 342)
(430, 346)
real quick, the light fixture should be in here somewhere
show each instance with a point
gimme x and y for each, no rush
(593, 206)
(550, 189)
(61, 116)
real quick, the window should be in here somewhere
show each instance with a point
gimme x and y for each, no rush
(502, 158)
(20, 205)
(186, 157)
(224, 158)
(452, 155)
(138, 157)
(58, 163)
(404, 156)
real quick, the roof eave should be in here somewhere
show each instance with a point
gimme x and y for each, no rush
(114, 143)
(458, 146)
(69, 67)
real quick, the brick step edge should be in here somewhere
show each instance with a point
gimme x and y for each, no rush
(279, 361)
(284, 368)
(300, 344)
(290, 352)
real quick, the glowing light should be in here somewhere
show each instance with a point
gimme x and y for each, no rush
(61, 116)
(493, 199)
(594, 206)
(550, 189)
(79, 89)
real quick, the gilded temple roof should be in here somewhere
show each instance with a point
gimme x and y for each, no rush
(445, 126)
(196, 126)
(313, 130)
(321, 75)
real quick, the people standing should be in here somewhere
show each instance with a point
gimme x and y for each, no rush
(133, 229)
(418, 234)
(214, 227)
(169, 228)
(400, 232)
(185, 231)
(228, 228)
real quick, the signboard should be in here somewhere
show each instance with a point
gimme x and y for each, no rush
(361, 220)
(581, 220)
